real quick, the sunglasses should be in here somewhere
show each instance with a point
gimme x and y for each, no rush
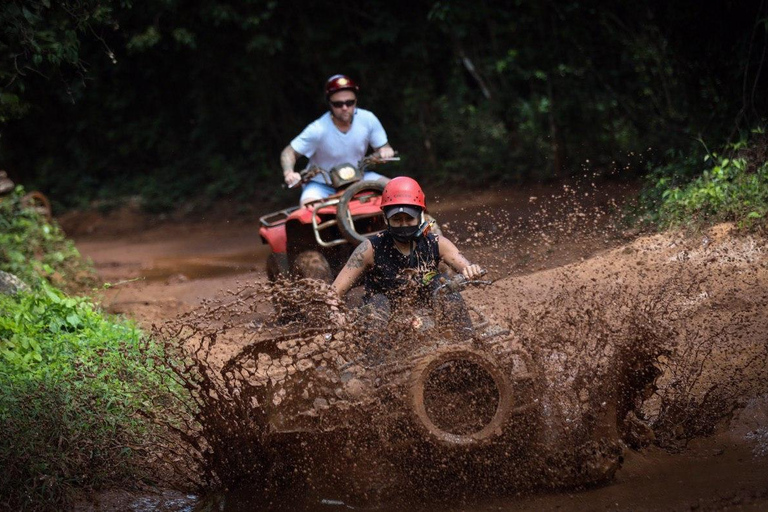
(339, 104)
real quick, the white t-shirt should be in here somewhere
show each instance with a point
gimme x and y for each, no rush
(326, 146)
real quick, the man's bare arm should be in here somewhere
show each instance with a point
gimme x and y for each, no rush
(288, 159)
(360, 259)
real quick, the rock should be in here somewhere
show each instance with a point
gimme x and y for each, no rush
(6, 185)
(10, 284)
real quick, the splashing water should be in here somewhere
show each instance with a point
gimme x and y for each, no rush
(658, 343)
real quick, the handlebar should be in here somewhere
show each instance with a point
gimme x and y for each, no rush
(313, 170)
(459, 282)
(307, 174)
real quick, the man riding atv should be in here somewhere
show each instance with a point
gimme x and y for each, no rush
(341, 135)
(402, 262)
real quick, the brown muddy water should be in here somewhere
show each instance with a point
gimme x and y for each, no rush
(303, 417)
(189, 268)
(634, 379)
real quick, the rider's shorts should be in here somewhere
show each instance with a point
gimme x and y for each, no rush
(315, 190)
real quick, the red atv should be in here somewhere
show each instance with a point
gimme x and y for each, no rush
(316, 240)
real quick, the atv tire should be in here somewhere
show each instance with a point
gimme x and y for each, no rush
(460, 360)
(345, 222)
(312, 265)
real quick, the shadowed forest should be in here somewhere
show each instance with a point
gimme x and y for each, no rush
(169, 99)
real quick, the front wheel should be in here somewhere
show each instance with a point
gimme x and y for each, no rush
(459, 396)
(344, 217)
(312, 265)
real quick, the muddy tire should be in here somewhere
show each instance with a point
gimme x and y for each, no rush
(312, 265)
(459, 397)
(344, 219)
(277, 266)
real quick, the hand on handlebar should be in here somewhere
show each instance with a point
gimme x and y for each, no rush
(472, 271)
(292, 179)
(385, 153)
(460, 281)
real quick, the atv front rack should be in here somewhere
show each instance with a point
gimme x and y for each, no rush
(317, 226)
(276, 218)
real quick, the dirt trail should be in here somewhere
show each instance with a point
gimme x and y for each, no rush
(539, 243)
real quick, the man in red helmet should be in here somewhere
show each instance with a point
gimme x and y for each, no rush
(341, 135)
(403, 261)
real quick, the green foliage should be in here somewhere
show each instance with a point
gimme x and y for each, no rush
(732, 188)
(76, 386)
(39, 39)
(71, 383)
(35, 250)
(725, 192)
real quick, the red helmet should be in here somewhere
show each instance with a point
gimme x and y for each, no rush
(339, 83)
(403, 191)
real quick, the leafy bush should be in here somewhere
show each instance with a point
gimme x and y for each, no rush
(733, 188)
(36, 250)
(73, 385)
(76, 386)
(725, 192)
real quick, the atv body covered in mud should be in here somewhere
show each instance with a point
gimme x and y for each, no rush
(315, 240)
(439, 412)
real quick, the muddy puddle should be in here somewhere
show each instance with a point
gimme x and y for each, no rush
(188, 268)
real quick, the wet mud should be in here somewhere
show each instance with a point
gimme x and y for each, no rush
(548, 393)
(649, 350)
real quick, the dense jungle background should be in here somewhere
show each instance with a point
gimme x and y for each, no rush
(617, 159)
(176, 98)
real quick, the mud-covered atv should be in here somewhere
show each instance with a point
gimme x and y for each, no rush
(316, 240)
(444, 411)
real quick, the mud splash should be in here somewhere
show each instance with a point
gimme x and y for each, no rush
(588, 368)
(512, 237)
